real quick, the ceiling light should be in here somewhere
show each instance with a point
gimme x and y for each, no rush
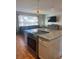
(38, 10)
(38, 6)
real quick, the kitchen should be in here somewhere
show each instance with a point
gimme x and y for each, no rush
(42, 32)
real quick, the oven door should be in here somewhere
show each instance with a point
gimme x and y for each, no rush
(32, 42)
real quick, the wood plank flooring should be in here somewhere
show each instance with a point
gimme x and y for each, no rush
(21, 51)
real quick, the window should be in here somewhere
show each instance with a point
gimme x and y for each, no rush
(28, 20)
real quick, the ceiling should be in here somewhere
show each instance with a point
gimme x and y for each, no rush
(45, 6)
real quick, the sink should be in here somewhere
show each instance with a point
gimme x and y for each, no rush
(41, 32)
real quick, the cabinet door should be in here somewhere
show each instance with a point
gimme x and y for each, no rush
(49, 49)
(43, 51)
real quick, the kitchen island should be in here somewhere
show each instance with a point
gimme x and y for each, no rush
(45, 42)
(50, 44)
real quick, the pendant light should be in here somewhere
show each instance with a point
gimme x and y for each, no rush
(38, 6)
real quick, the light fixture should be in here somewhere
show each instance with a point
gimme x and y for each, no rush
(38, 9)
(38, 6)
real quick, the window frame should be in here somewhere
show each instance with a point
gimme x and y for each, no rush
(21, 17)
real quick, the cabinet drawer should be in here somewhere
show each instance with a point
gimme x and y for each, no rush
(44, 42)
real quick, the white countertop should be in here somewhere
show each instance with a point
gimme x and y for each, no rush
(53, 34)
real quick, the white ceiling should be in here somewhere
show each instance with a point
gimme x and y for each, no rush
(46, 6)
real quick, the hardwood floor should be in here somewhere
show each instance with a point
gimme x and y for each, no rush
(21, 50)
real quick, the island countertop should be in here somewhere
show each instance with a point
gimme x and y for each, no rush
(51, 35)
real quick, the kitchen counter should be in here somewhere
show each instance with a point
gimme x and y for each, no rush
(49, 35)
(49, 45)
(53, 34)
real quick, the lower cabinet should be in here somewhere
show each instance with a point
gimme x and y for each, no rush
(49, 49)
